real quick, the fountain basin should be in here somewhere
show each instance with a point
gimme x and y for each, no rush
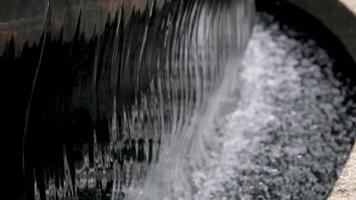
(291, 168)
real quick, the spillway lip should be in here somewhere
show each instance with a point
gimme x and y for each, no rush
(339, 17)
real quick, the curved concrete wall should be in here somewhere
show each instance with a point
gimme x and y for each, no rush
(345, 187)
(340, 17)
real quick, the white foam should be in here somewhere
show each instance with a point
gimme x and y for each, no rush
(280, 93)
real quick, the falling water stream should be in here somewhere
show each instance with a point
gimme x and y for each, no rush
(120, 111)
(170, 100)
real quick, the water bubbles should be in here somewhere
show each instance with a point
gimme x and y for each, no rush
(283, 139)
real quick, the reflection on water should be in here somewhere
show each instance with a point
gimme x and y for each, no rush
(114, 110)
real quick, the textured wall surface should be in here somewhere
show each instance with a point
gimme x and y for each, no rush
(345, 187)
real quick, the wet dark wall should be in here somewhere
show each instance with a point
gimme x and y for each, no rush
(20, 9)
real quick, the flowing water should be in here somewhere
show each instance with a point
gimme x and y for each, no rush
(121, 110)
(173, 100)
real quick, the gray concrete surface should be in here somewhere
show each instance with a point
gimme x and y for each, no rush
(345, 187)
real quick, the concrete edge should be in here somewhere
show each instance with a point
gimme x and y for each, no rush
(345, 187)
(337, 15)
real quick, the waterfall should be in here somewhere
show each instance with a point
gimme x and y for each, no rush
(119, 96)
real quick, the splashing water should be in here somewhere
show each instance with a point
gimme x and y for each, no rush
(289, 120)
